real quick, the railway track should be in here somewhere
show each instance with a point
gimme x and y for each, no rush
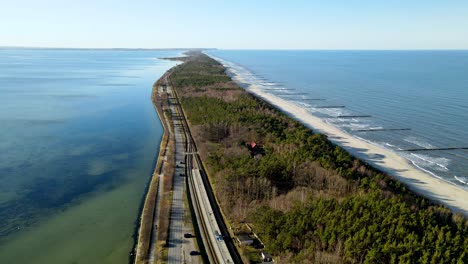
(209, 218)
(204, 230)
(194, 191)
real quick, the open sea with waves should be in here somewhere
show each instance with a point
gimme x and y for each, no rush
(400, 100)
(78, 141)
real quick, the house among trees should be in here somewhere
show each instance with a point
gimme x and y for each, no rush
(253, 145)
(244, 239)
(255, 149)
(266, 257)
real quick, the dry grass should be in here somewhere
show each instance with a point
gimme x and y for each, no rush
(228, 92)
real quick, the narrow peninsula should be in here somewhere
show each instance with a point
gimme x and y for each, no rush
(289, 193)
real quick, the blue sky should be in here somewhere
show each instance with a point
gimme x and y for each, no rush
(239, 24)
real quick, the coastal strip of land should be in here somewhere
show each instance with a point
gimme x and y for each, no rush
(153, 228)
(293, 193)
(213, 237)
(388, 161)
(166, 234)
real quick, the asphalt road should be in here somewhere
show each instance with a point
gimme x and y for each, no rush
(223, 251)
(179, 247)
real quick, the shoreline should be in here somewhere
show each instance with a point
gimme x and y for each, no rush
(296, 187)
(138, 227)
(399, 168)
(145, 220)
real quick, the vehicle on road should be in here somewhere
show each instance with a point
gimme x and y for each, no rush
(219, 237)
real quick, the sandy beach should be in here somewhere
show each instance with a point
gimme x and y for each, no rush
(390, 162)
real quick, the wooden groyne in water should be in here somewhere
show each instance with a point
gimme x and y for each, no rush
(434, 149)
(381, 129)
(314, 99)
(293, 94)
(330, 106)
(351, 116)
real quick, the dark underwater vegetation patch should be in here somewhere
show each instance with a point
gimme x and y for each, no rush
(59, 188)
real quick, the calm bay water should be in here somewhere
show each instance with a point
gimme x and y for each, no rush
(424, 91)
(79, 137)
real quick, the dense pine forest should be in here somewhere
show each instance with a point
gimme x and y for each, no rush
(307, 199)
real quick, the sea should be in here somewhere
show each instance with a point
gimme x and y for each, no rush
(414, 103)
(78, 141)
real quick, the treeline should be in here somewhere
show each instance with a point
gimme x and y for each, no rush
(310, 200)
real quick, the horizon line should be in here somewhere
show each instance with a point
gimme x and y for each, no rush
(87, 48)
(245, 49)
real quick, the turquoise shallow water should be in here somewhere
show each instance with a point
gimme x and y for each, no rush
(79, 137)
(424, 91)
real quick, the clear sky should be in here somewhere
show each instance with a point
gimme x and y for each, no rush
(236, 24)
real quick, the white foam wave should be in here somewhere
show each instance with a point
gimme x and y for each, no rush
(353, 125)
(436, 163)
(300, 103)
(418, 142)
(463, 180)
(269, 83)
(425, 170)
(329, 111)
